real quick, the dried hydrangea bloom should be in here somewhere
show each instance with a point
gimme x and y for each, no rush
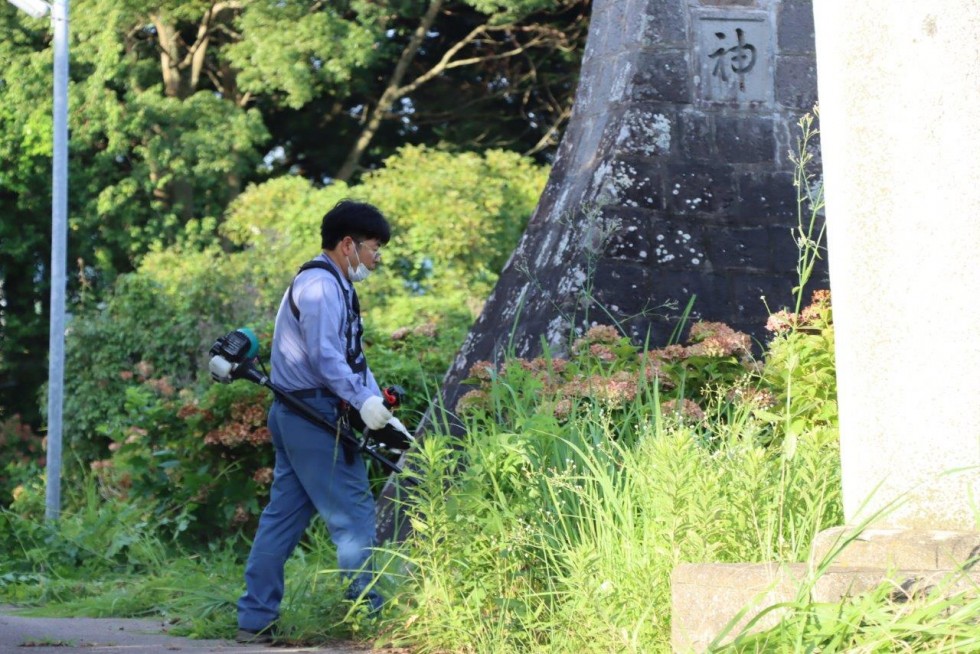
(684, 409)
(616, 390)
(161, 386)
(651, 368)
(669, 353)
(718, 339)
(818, 314)
(710, 347)
(563, 409)
(190, 410)
(472, 401)
(542, 364)
(241, 515)
(781, 321)
(547, 371)
(482, 370)
(702, 330)
(577, 387)
(428, 330)
(248, 427)
(812, 315)
(263, 476)
(144, 369)
(603, 334)
(598, 334)
(602, 352)
(260, 436)
(135, 435)
(400, 334)
(821, 296)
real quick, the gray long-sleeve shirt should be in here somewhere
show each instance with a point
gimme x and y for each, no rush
(311, 352)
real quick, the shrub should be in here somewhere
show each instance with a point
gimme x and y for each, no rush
(456, 217)
(140, 334)
(20, 451)
(800, 367)
(605, 369)
(93, 537)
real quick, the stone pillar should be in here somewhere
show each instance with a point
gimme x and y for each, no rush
(899, 87)
(672, 181)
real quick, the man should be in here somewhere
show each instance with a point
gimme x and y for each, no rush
(317, 357)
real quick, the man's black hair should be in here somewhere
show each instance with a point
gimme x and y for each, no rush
(359, 220)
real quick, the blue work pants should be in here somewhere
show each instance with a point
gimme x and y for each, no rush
(311, 476)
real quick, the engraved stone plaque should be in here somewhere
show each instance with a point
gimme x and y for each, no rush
(733, 57)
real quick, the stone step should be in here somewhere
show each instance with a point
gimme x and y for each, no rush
(706, 597)
(914, 549)
(709, 598)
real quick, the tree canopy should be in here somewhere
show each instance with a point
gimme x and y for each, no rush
(176, 107)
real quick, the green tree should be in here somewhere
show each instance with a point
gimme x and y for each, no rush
(470, 74)
(456, 217)
(176, 106)
(25, 203)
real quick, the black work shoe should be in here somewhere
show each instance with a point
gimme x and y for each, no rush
(260, 637)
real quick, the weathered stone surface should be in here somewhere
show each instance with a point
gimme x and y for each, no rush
(731, 250)
(695, 137)
(645, 133)
(660, 76)
(898, 548)
(665, 23)
(711, 179)
(769, 198)
(712, 599)
(745, 141)
(796, 82)
(750, 288)
(795, 27)
(708, 598)
(633, 183)
(700, 189)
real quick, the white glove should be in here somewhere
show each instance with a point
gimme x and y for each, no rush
(374, 413)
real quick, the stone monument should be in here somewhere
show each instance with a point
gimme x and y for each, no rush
(672, 180)
(899, 88)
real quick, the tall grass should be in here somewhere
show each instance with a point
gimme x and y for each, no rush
(564, 540)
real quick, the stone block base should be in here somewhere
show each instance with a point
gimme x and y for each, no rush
(712, 598)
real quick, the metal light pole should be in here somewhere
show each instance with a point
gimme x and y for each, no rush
(59, 244)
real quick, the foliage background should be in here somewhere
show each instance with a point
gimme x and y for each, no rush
(178, 108)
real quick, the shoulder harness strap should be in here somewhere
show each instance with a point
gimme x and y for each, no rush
(353, 307)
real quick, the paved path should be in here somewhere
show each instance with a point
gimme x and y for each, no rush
(20, 634)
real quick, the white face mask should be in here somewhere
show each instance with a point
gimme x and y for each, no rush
(360, 273)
